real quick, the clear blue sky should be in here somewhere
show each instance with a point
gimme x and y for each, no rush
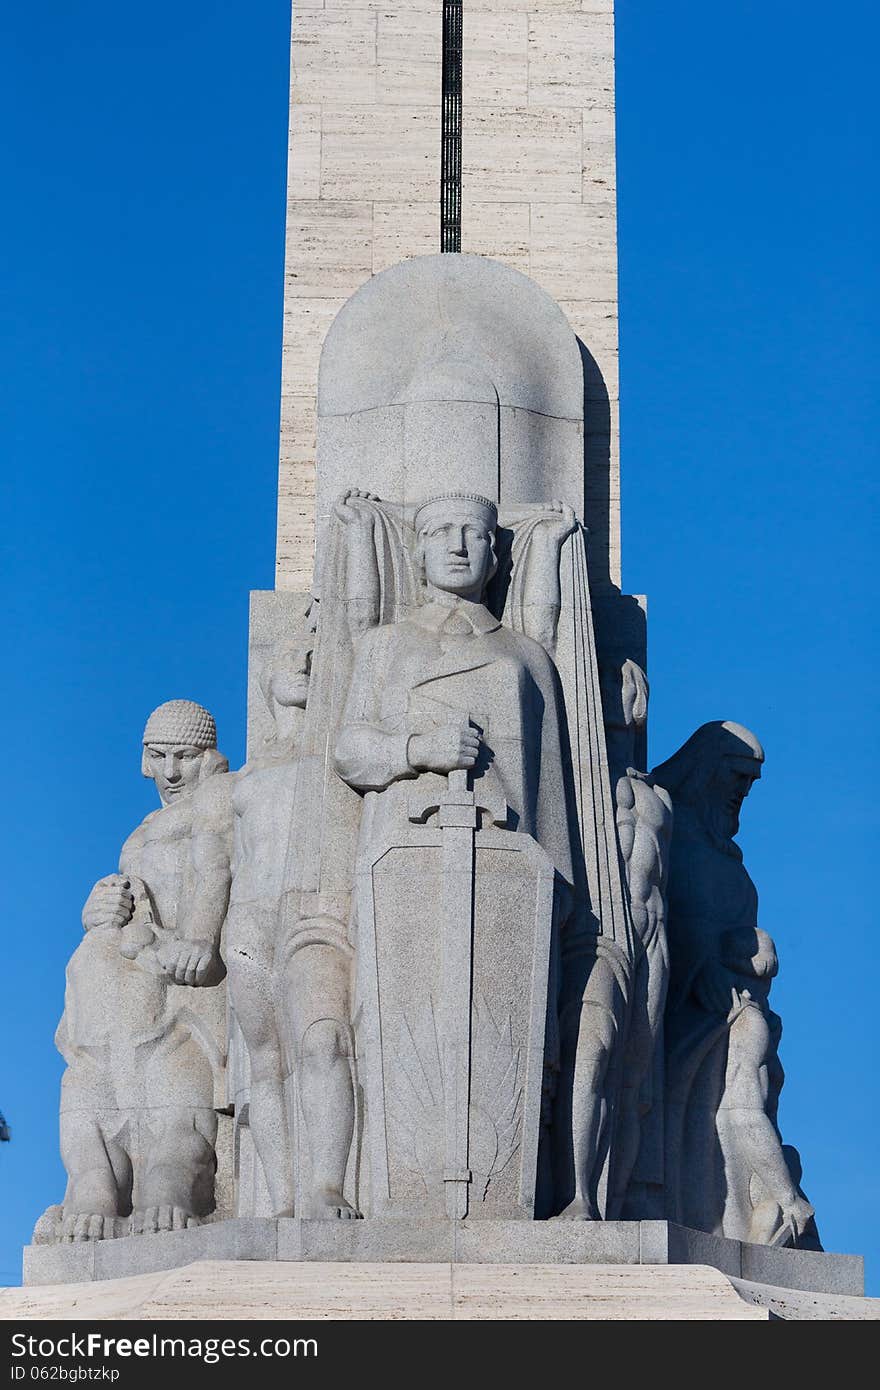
(143, 173)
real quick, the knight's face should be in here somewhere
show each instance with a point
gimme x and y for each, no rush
(456, 540)
(175, 768)
(733, 780)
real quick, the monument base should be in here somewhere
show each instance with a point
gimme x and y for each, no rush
(459, 1243)
(272, 1290)
(269, 1291)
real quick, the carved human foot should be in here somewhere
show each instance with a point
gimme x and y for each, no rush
(332, 1206)
(150, 1220)
(48, 1227)
(77, 1225)
(581, 1209)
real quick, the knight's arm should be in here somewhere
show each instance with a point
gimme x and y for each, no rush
(543, 602)
(539, 535)
(360, 589)
(370, 752)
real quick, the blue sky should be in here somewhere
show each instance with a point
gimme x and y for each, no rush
(143, 172)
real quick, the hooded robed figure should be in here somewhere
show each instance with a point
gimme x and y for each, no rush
(727, 1170)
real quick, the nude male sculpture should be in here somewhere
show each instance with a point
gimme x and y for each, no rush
(288, 975)
(145, 1056)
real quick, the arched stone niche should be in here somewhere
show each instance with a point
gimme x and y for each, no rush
(451, 371)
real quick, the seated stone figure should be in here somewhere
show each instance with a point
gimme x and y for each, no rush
(727, 1170)
(145, 1056)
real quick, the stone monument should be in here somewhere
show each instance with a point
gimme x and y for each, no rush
(489, 990)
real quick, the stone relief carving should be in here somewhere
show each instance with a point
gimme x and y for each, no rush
(145, 1055)
(480, 963)
(452, 733)
(450, 729)
(417, 1100)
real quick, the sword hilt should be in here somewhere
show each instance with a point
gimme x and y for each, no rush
(460, 804)
(459, 779)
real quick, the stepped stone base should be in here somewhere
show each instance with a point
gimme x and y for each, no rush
(272, 1290)
(442, 1243)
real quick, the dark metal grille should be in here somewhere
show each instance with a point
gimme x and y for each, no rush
(450, 148)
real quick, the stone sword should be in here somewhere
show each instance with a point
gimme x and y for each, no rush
(458, 809)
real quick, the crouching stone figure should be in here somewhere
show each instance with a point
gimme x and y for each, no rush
(145, 1056)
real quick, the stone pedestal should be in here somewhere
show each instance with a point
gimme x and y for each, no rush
(436, 1242)
(276, 1290)
(447, 1292)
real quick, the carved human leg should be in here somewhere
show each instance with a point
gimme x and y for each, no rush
(249, 954)
(174, 1185)
(591, 1028)
(638, 1057)
(99, 1176)
(776, 1212)
(316, 986)
(638, 1168)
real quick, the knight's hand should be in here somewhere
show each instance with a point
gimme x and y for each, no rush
(354, 505)
(189, 962)
(561, 520)
(445, 749)
(110, 903)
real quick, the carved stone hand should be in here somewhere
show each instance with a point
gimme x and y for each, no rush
(445, 749)
(560, 521)
(110, 903)
(353, 506)
(190, 962)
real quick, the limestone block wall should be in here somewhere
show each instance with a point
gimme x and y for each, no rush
(538, 189)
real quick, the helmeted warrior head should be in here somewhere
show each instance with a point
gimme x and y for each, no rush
(181, 722)
(180, 748)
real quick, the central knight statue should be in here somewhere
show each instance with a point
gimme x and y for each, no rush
(453, 731)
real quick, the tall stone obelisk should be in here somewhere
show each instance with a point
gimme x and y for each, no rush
(373, 91)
